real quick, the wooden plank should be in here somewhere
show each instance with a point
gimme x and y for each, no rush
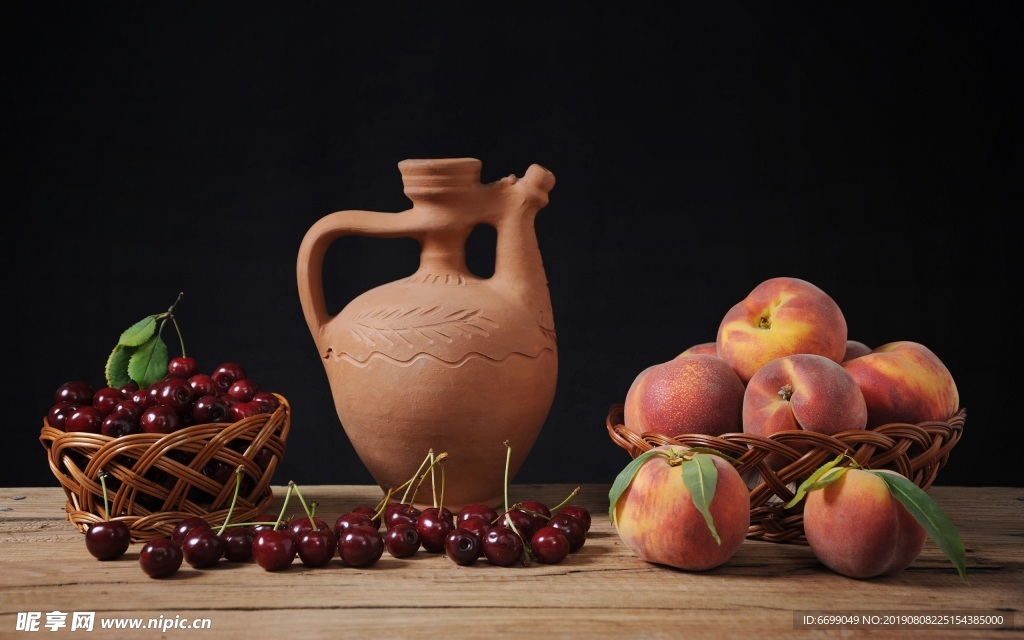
(602, 591)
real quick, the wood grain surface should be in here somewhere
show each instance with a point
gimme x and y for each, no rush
(600, 591)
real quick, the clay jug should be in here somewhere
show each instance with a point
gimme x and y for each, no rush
(442, 360)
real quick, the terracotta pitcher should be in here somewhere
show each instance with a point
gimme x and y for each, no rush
(442, 359)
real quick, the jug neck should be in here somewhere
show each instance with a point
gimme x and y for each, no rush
(442, 179)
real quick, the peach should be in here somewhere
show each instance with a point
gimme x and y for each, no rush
(657, 520)
(904, 382)
(706, 348)
(781, 317)
(855, 527)
(802, 391)
(855, 349)
(695, 393)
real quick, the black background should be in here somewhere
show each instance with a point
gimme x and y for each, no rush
(152, 148)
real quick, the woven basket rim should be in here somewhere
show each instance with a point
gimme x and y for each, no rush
(917, 451)
(197, 444)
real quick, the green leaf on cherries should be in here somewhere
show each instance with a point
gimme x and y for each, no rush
(137, 334)
(818, 479)
(930, 516)
(116, 370)
(700, 476)
(625, 477)
(149, 362)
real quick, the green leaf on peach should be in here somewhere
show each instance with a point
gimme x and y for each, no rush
(149, 362)
(930, 516)
(700, 476)
(625, 477)
(137, 334)
(817, 480)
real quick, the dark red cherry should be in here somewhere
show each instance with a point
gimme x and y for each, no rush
(572, 529)
(502, 547)
(183, 367)
(402, 540)
(161, 418)
(462, 546)
(244, 389)
(475, 511)
(266, 522)
(160, 558)
(76, 391)
(227, 374)
(85, 418)
(108, 539)
(274, 549)
(549, 545)
(316, 548)
(140, 397)
(269, 401)
(434, 527)
(106, 398)
(538, 512)
(130, 407)
(242, 410)
(301, 525)
(209, 408)
(129, 388)
(361, 546)
(238, 544)
(580, 513)
(59, 413)
(175, 393)
(202, 385)
(119, 424)
(370, 513)
(477, 525)
(523, 521)
(202, 547)
(397, 512)
(186, 526)
(351, 519)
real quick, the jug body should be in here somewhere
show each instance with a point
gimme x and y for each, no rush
(442, 360)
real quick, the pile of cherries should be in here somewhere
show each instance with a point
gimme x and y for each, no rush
(526, 532)
(184, 397)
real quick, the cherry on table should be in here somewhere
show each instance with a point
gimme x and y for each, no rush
(476, 510)
(434, 526)
(160, 558)
(185, 526)
(303, 525)
(202, 547)
(462, 546)
(317, 547)
(400, 512)
(238, 543)
(579, 512)
(108, 539)
(274, 549)
(572, 528)
(361, 546)
(402, 540)
(502, 546)
(549, 545)
(524, 522)
(351, 519)
(371, 513)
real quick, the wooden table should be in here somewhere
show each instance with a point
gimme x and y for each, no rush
(600, 591)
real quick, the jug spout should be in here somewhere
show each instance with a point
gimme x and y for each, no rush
(518, 267)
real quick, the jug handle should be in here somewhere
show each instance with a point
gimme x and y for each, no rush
(319, 237)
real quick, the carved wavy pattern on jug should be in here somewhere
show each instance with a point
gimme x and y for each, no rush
(332, 355)
(397, 325)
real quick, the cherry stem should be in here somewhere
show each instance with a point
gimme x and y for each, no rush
(387, 496)
(170, 314)
(383, 505)
(508, 519)
(440, 503)
(572, 494)
(284, 507)
(433, 485)
(309, 514)
(440, 458)
(409, 482)
(103, 483)
(234, 498)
